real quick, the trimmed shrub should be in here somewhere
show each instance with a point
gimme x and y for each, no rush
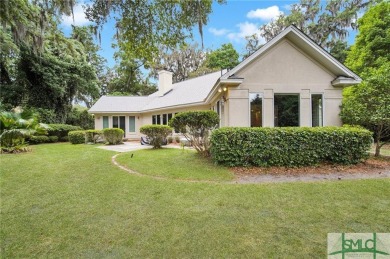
(93, 135)
(113, 136)
(42, 139)
(290, 147)
(196, 127)
(76, 137)
(38, 140)
(61, 131)
(156, 134)
(170, 139)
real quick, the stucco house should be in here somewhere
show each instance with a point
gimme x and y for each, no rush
(290, 81)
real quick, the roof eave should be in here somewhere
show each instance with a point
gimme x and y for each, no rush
(344, 82)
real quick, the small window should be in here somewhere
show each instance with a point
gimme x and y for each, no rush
(169, 116)
(131, 123)
(316, 110)
(154, 119)
(158, 120)
(105, 122)
(286, 110)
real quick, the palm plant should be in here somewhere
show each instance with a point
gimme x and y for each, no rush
(15, 127)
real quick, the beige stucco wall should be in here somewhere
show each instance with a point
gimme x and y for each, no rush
(284, 69)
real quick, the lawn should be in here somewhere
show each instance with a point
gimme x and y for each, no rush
(174, 163)
(70, 201)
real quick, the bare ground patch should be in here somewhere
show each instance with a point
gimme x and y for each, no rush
(372, 168)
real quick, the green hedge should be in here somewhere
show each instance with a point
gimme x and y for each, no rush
(289, 146)
(113, 136)
(42, 139)
(61, 130)
(77, 137)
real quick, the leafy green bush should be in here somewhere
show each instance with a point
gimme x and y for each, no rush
(93, 135)
(170, 139)
(289, 146)
(38, 139)
(61, 131)
(177, 139)
(42, 139)
(156, 133)
(76, 137)
(113, 136)
(196, 127)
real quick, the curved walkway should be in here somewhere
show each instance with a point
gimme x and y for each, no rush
(257, 179)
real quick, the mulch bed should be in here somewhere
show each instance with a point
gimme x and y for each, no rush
(370, 166)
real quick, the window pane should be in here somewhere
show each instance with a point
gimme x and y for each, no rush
(165, 119)
(115, 122)
(158, 121)
(131, 123)
(256, 109)
(122, 123)
(154, 119)
(316, 110)
(286, 108)
(169, 116)
(105, 122)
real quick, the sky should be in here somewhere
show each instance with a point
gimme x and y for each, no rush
(228, 23)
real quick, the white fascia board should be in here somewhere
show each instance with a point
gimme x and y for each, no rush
(232, 81)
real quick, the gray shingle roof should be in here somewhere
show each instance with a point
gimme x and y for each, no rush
(187, 92)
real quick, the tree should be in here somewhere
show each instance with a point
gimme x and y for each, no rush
(224, 57)
(368, 104)
(325, 25)
(40, 67)
(196, 127)
(182, 62)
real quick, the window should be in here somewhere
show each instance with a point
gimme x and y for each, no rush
(256, 101)
(131, 123)
(170, 115)
(158, 120)
(119, 122)
(165, 119)
(286, 110)
(316, 110)
(105, 122)
(154, 119)
(115, 123)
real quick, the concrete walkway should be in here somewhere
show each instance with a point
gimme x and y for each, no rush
(131, 146)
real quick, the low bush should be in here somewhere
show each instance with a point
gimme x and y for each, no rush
(289, 146)
(42, 139)
(61, 131)
(77, 137)
(170, 139)
(156, 133)
(93, 135)
(113, 136)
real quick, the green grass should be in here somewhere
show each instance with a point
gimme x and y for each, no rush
(385, 150)
(174, 163)
(70, 201)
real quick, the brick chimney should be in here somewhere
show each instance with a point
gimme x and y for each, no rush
(164, 82)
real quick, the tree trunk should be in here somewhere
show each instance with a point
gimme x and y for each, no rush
(378, 148)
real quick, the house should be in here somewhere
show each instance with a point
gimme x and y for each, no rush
(290, 81)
